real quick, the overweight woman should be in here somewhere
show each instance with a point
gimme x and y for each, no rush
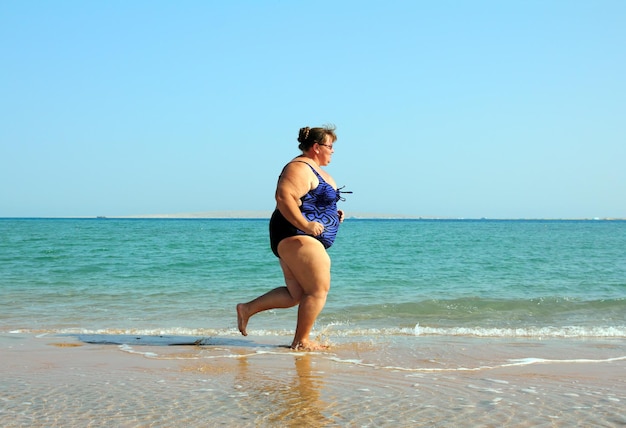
(303, 225)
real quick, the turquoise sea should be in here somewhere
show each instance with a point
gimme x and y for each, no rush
(390, 277)
(434, 323)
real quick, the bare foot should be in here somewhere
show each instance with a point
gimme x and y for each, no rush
(309, 345)
(242, 318)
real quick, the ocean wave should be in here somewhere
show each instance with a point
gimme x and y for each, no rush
(346, 330)
(525, 332)
(520, 332)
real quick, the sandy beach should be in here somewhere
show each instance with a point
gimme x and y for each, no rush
(228, 381)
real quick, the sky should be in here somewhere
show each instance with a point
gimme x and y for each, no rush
(453, 109)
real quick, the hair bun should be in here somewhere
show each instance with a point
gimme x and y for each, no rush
(304, 134)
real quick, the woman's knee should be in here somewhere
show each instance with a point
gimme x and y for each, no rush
(296, 295)
(293, 286)
(319, 293)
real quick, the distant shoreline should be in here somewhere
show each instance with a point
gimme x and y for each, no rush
(355, 216)
(265, 215)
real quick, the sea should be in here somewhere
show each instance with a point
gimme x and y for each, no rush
(420, 277)
(395, 284)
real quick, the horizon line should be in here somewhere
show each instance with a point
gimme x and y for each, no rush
(263, 214)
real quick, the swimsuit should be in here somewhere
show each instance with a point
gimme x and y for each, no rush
(319, 204)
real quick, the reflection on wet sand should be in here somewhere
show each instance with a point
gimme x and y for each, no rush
(293, 397)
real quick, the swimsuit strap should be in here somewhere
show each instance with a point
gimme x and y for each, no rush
(338, 190)
(312, 169)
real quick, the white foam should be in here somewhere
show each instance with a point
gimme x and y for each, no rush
(497, 381)
(131, 350)
(526, 332)
(351, 330)
(512, 363)
(529, 361)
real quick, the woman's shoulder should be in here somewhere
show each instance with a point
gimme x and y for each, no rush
(300, 169)
(299, 165)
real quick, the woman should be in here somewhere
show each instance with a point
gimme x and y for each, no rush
(302, 227)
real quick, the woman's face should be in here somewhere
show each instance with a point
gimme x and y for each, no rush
(326, 151)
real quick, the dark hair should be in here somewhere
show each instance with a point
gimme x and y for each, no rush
(309, 136)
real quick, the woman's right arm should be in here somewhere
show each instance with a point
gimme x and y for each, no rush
(295, 182)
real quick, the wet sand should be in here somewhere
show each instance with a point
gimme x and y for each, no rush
(362, 381)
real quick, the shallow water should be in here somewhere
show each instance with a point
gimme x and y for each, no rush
(359, 382)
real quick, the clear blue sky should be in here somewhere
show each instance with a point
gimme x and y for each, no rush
(497, 109)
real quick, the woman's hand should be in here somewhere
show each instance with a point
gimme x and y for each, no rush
(341, 215)
(314, 228)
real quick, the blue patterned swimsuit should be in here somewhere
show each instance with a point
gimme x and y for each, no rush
(319, 204)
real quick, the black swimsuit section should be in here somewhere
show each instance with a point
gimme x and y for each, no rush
(320, 205)
(280, 229)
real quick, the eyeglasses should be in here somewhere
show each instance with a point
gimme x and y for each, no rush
(330, 146)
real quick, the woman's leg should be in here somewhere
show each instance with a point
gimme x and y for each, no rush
(280, 297)
(309, 263)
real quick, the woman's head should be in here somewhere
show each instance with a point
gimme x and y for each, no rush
(310, 136)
